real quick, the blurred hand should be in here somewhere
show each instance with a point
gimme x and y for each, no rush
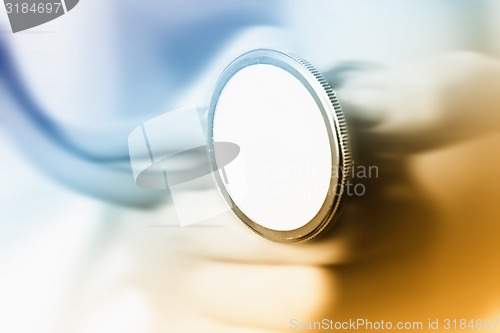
(397, 251)
(400, 111)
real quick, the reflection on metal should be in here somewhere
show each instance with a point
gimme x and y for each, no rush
(283, 114)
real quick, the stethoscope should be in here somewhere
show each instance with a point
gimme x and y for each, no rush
(272, 148)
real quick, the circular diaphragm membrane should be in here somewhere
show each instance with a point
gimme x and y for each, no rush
(287, 182)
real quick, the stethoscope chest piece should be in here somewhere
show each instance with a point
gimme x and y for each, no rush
(287, 182)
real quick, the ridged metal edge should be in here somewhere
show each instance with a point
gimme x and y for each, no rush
(342, 136)
(341, 133)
